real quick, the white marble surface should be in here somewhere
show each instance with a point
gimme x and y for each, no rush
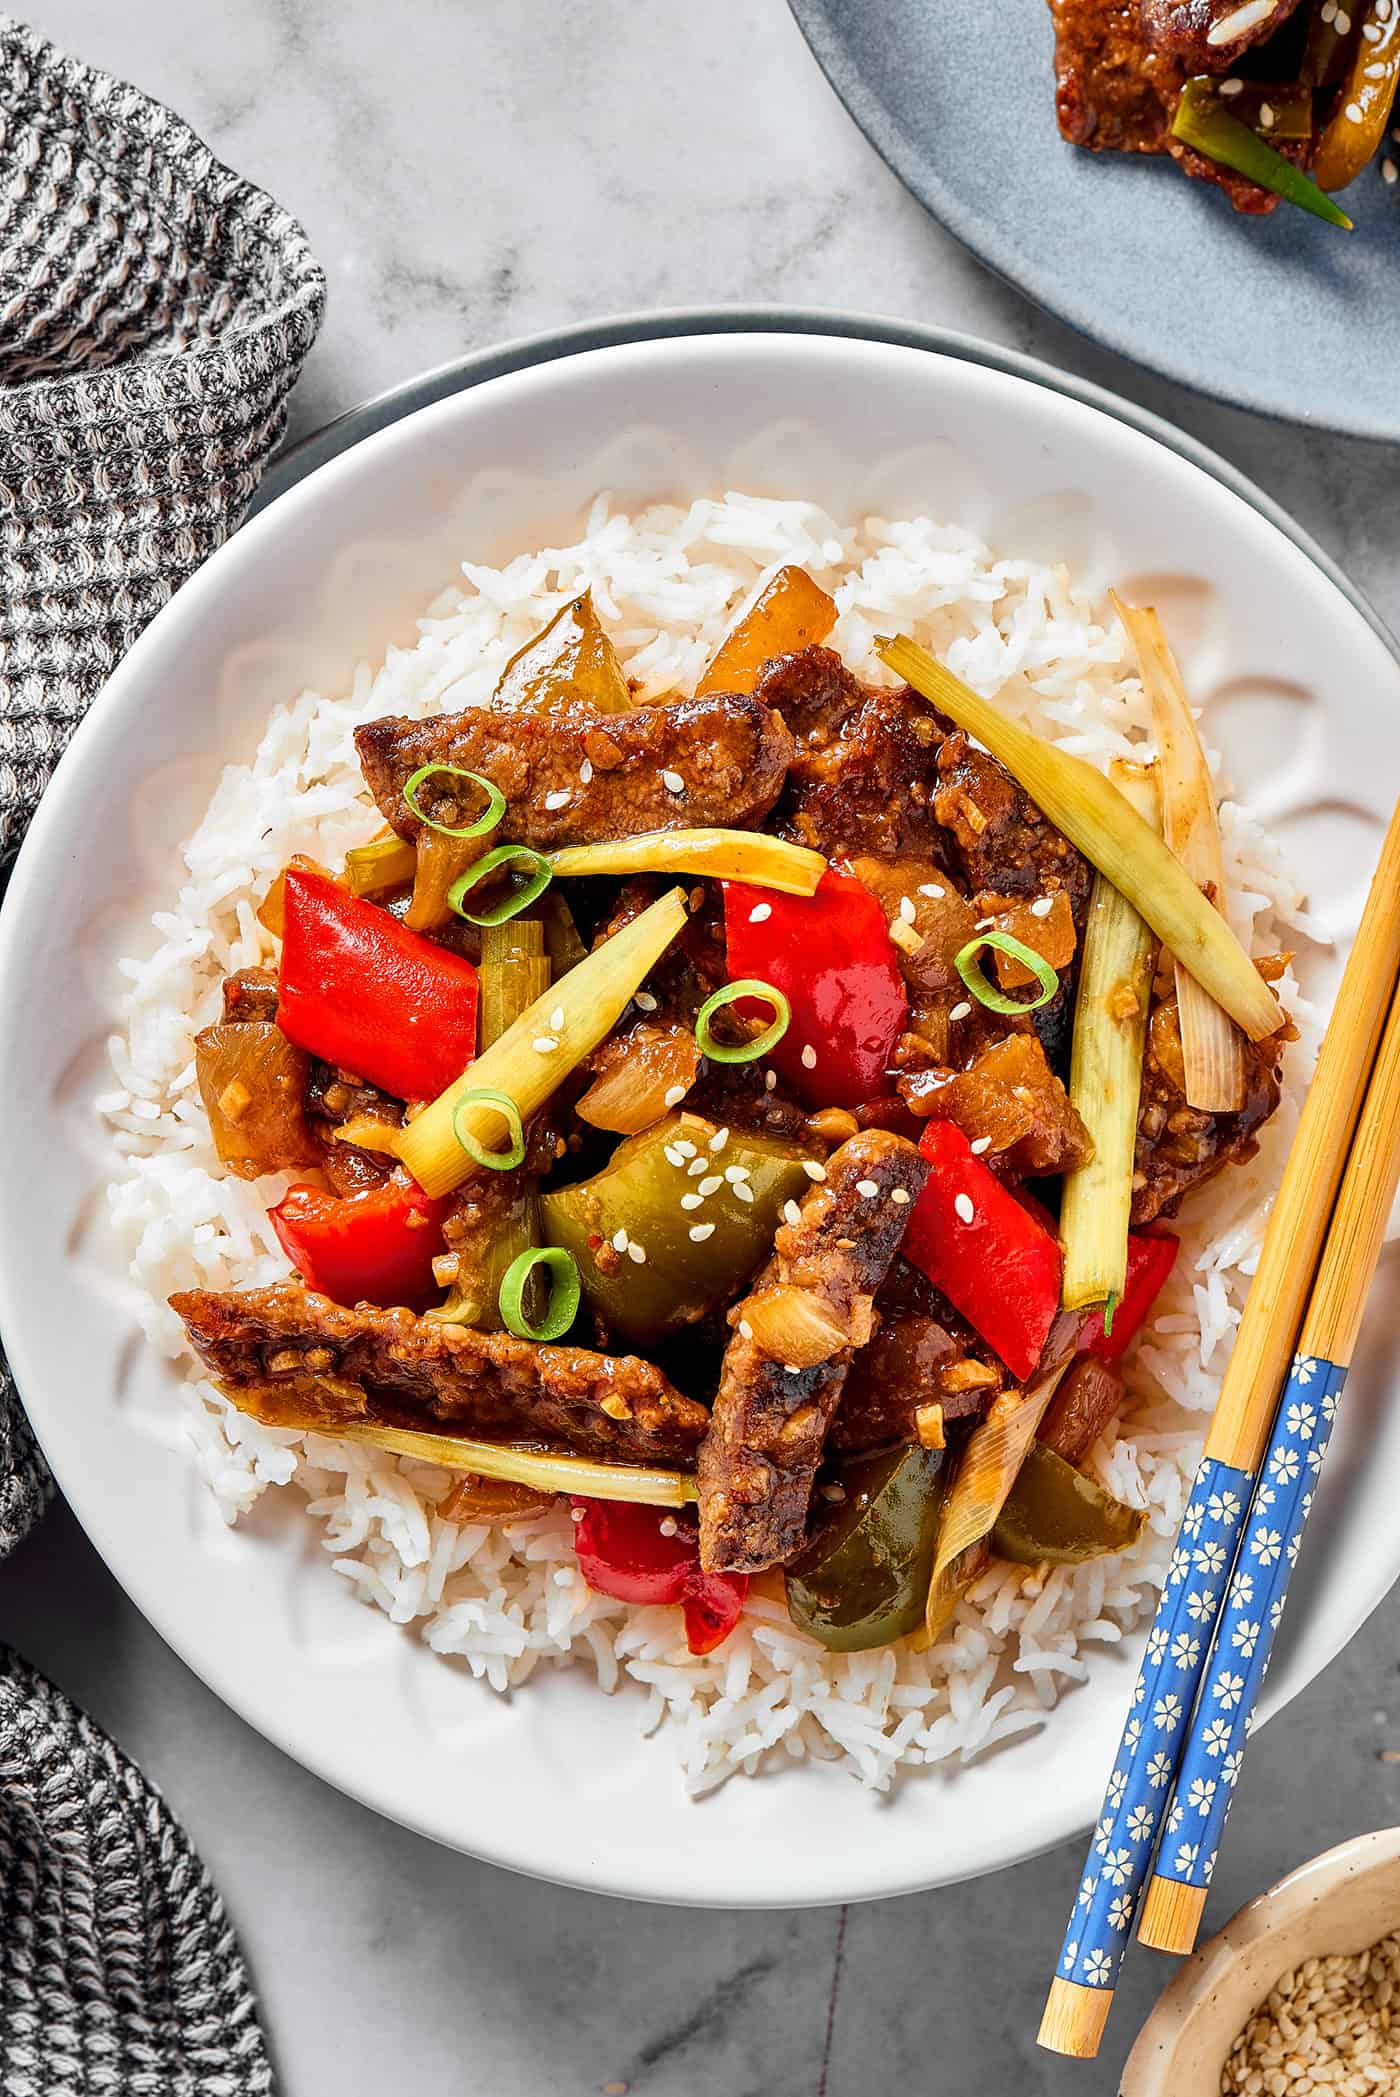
(471, 170)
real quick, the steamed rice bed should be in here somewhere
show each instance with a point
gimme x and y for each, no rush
(667, 583)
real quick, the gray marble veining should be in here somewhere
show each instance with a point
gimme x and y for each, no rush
(471, 171)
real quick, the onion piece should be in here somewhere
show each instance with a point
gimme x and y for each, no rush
(793, 1325)
(1212, 1050)
(720, 855)
(640, 1083)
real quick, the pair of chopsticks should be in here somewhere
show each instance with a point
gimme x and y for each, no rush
(1180, 1752)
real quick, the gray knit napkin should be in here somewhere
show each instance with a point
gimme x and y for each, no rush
(155, 310)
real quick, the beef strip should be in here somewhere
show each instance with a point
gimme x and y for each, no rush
(1116, 91)
(729, 753)
(759, 1458)
(251, 993)
(1190, 31)
(296, 1359)
(1089, 1396)
(1178, 1146)
(922, 1353)
(333, 1098)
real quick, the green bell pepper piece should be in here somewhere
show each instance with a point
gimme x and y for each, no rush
(1055, 1515)
(1203, 121)
(862, 1578)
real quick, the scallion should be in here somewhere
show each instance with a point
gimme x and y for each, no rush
(564, 1293)
(519, 898)
(966, 963)
(495, 801)
(745, 1051)
(498, 1103)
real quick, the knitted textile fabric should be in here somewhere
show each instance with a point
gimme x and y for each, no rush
(155, 311)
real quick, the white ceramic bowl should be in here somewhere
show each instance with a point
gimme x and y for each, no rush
(1303, 695)
(1342, 1901)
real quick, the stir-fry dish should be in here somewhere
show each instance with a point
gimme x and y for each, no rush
(1269, 99)
(754, 1117)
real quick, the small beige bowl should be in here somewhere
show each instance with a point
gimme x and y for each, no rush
(1340, 1902)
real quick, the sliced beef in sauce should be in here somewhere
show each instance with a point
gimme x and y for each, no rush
(861, 781)
(1178, 1146)
(1089, 1396)
(760, 1456)
(691, 762)
(1010, 1098)
(292, 1358)
(922, 1353)
(1208, 36)
(335, 1098)
(251, 993)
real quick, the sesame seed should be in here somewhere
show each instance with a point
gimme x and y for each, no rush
(1376, 72)
(673, 1155)
(760, 912)
(1042, 906)
(712, 1184)
(964, 1208)
(558, 799)
(673, 782)
(637, 1253)
(545, 1044)
(743, 1190)
(699, 1232)
(899, 1196)
(619, 1241)
(980, 1144)
(585, 771)
(719, 1139)
(1353, 113)
(667, 1525)
(674, 1095)
(685, 1146)
(960, 1011)
(791, 1212)
(692, 1201)
(791, 1369)
(813, 1170)
(1388, 170)
(576, 1514)
(983, 923)
(1231, 87)
(1240, 21)
(1329, 11)
(809, 1057)
(1343, 22)
(644, 1001)
(1266, 115)
(745, 1329)
(932, 890)
(696, 1167)
(869, 1188)
(556, 1018)
(770, 1080)
(906, 909)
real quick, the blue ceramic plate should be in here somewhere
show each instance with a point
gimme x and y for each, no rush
(1284, 314)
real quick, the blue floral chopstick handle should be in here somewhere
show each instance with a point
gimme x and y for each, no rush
(1135, 1801)
(1239, 1660)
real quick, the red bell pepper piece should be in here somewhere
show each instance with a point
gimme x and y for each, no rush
(375, 1247)
(830, 955)
(1150, 1261)
(992, 1259)
(365, 994)
(623, 1551)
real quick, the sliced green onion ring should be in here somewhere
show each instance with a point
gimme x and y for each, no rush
(519, 898)
(564, 1293)
(745, 1051)
(500, 1103)
(495, 800)
(987, 993)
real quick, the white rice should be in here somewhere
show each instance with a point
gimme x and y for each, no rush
(668, 582)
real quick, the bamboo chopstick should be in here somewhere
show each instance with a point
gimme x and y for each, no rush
(1213, 1746)
(1135, 1801)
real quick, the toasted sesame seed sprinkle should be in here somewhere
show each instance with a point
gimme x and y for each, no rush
(692, 1201)
(1042, 906)
(1266, 115)
(685, 1146)
(1329, 10)
(899, 1196)
(1388, 170)
(556, 1018)
(964, 1207)
(674, 1095)
(674, 1155)
(813, 1170)
(791, 1369)
(1343, 22)
(960, 1011)
(637, 1253)
(696, 1167)
(585, 772)
(1231, 87)
(743, 1190)
(984, 924)
(719, 1138)
(619, 1241)
(809, 1057)
(674, 784)
(791, 1212)
(712, 1184)
(558, 799)
(869, 1188)
(745, 1329)
(736, 1172)
(770, 1080)
(644, 1001)
(1353, 113)
(760, 912)
(545, 1044)
(667, 1525)
(980, 1144)
(907, 910)
(699, 1232)
(932, 890)
(576, 1514)
(1240, 21)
